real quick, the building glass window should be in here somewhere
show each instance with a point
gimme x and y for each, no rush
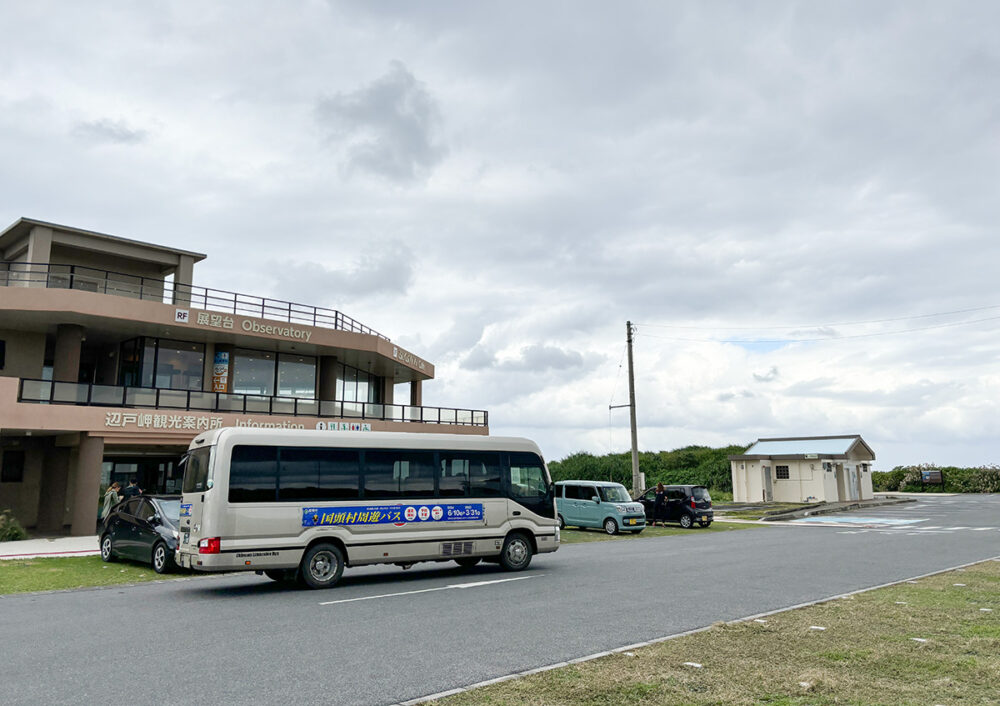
(163, 363)
(179, 365)
(296, 376)
(354, 385)
(253, 372)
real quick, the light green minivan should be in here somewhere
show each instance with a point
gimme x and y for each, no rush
(588, 503)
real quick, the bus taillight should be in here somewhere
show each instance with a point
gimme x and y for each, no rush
(209, 545)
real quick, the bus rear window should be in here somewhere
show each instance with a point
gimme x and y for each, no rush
(196, 471)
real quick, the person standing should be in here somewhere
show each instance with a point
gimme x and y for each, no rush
(111, 498)
(132, 490)
(660, 506)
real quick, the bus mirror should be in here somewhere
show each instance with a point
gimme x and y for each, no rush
(209, 484)
(596, 499)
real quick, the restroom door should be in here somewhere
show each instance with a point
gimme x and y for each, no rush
(768, 488)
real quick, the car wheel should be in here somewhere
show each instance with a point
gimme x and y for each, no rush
(163, 563)
(516, 552)
(704, 524)
(107, 548)
(686, 521)
(610, 526)
(322, 566)
(467, 562)
(562, 522)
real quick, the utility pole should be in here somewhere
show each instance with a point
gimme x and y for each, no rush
(629, 329)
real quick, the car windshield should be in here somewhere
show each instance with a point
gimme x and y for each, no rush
(701, 494)
(170, 509)
(614, 493)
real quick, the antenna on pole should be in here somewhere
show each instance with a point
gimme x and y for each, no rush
(636, 478)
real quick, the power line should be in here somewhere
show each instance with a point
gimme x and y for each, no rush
(825, 338)
(837, 323)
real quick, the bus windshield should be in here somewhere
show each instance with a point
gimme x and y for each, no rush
(196, 471)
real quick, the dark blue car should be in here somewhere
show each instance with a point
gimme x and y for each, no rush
(142, 529)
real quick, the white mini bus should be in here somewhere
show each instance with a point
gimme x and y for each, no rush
(295, 504)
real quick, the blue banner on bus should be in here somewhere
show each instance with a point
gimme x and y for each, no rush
(391, 514)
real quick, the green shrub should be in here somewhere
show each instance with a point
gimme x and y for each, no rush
(887, 481)
(698, 465)
(10, 528)
(982, 479)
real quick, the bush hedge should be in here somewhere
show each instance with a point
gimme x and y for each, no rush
(982, 479)
(698, 465)
(10, 528)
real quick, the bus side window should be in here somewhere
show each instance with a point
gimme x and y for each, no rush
(527, 476)
(484, 475)
(253, 474)
(453, 481)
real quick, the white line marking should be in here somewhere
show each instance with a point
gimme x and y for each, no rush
(658, 640)
(475, 584)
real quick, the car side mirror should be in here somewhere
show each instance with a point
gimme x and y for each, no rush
(596, 499)
(155, 520)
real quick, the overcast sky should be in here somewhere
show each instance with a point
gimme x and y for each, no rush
(499, 187)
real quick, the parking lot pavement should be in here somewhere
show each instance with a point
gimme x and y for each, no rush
(931, 515)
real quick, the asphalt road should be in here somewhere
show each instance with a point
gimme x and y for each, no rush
(385, 635)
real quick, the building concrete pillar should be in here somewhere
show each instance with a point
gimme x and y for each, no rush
(38, 253)
(52, 491)
(388, 388)
(327, 377)
(416, 393)
(40, 245)
(183, 278)
(66, 362)
(208, 369)
(87, 485)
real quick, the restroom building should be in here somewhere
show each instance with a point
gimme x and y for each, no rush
(803, 469)
(112, 360)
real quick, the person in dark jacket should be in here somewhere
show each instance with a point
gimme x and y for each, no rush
(659, 505)
(132, 490)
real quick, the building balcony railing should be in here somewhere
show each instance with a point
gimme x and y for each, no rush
(27, 274)
(83, 394)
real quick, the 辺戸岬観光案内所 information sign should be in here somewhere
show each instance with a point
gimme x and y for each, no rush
(391, 514)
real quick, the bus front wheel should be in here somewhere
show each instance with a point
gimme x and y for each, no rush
(322, 566)
(516, 552)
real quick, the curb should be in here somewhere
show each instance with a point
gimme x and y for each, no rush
(796, 514)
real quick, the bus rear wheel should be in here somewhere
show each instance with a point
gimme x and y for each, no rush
(322, 566)
(516, 552)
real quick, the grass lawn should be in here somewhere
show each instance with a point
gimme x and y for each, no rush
(929, 642)
(25, 575)
(573, 536)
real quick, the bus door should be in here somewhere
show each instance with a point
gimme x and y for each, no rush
(197, 484)
(528, 488)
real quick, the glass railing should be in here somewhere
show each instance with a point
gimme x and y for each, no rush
(89, 279)
(73, 393)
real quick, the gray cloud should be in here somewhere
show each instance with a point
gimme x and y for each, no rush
(390, 127)
(108, 131)
(385, 271)
(770, 376)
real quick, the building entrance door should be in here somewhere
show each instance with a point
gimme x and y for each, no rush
(154, 474)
